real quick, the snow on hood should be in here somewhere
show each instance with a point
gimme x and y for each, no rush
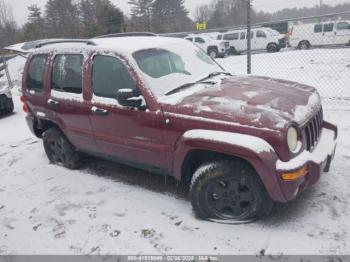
(258, 101)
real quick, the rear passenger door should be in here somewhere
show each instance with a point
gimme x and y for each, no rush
(66, 101)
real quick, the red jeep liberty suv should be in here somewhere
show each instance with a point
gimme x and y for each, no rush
(161, 104)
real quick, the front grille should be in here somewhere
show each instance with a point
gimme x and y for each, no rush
(312, 130)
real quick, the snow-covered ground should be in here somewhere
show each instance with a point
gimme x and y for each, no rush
(107, 208)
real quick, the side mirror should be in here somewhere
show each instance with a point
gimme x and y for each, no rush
(129, 98)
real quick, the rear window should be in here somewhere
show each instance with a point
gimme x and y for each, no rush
(36, 73)
(318, 29)
(67, 73)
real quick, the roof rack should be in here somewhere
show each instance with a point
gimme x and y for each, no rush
(60, 41)
(127, 34)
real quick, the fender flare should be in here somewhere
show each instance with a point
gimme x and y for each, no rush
(254, 150)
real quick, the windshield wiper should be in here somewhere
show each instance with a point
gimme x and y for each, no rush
(201, 81)
(178, 89)
(214, 74)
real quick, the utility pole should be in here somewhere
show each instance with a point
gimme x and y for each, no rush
(320, 10)
(249, 39)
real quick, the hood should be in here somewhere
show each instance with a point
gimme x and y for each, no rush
(248, 100)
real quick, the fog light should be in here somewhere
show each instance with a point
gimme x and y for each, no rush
(290, 176)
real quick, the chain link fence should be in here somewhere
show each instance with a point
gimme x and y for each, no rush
(312, 50)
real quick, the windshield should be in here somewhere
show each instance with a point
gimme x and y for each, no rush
(172, 66)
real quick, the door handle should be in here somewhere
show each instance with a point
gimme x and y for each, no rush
(51, 102)
(99, 111)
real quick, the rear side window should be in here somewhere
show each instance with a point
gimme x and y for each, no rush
(328, 27)
(109, 75)
(318, 29)
(36, 73)
(234, 36)
(67, 73)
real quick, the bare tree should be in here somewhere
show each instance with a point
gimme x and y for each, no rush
(203, 13)
(8, 28)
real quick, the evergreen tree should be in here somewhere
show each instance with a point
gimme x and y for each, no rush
(62, 18)
(109, 17)
(170, 16)
(35, 27)
(141, 14)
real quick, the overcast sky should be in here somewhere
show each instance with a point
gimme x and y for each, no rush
(20, 6)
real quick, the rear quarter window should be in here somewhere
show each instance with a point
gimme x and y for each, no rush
(36, 73)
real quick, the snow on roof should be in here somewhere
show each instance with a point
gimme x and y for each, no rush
(135, 43)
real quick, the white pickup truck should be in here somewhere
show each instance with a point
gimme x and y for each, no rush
(305, 36)
(263, 38)
(214, 48)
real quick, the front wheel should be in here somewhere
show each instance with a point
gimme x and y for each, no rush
(213, 53)
(59, 150)
(272, 48)
(230, 191)
(304, 45)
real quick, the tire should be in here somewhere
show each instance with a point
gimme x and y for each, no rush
(59, 150)
(304, 45)
(213, 53)
(230, 191)
(272, 48)
(6, 105)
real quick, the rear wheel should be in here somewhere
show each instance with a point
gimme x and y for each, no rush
(304, 45)
(229, 190)
(59, 150)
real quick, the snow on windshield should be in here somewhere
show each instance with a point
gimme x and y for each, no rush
(174, 65)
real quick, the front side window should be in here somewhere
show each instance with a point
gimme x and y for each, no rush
(343, 26)
(234, 36)
(260, 34)
(109, 75)
(67, 73)
(36, 73)
(242, 36)
(318, 29)
(328, 27)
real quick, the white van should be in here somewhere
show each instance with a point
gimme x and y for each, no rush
(261, 39)
(320, 34)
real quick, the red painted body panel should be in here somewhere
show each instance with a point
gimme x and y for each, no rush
(154, 137)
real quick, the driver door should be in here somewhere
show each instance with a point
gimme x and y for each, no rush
(128, 134)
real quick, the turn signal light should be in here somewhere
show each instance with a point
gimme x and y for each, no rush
(296, 174)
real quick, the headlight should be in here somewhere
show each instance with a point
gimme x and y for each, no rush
(292, 140)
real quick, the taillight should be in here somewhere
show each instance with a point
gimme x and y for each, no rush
(24, 106)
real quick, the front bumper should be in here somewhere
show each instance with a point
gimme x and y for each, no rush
(317, 162)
